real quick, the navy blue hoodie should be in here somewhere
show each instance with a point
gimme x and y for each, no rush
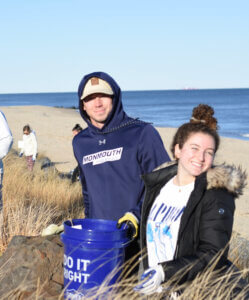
(112, 159)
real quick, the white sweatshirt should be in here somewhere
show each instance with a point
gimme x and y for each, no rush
(6, 138)
(29, 145)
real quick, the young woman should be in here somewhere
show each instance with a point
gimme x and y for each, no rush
(29, 147)
(187, 213)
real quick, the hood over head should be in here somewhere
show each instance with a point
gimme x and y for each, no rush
(117, 115)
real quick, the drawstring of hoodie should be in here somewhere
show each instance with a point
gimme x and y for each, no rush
(137, 121)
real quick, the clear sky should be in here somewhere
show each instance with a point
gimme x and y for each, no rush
(48, 45)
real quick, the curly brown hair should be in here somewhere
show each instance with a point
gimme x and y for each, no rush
(203, 121)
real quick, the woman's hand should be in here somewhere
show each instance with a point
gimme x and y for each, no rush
(151, 281)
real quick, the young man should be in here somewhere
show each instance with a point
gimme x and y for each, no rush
(112, 152)
(6, 141)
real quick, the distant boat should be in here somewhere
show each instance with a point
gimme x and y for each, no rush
(189, 88)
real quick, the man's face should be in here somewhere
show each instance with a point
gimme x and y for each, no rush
(98, 108)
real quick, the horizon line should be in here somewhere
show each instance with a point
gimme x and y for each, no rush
(146, 90)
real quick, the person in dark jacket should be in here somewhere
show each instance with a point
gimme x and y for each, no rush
(76, 129)
(187, 213)
(76, 173)
(112, 152)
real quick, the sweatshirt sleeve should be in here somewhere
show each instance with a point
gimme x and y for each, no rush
(82, 180)
(151, 154)
(84, 192)
(6, 138)
(151, 151)
(34, 142)
(22, 148)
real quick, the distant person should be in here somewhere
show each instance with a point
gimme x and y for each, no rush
(76, 129)
(189, 207)
(112, 153)
(76, 173)
(29, 147)
(6, 141)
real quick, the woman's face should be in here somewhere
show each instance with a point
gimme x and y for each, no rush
(196, 155)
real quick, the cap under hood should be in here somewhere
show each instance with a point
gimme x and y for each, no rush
(117, 116)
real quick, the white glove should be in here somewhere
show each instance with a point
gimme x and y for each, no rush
(33, 157)
(52, 229)
(151, 281)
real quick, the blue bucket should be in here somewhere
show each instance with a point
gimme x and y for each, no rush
(94, 251)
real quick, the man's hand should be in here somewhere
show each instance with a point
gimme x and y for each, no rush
(129, 220)
(20, 154)
(151, 281)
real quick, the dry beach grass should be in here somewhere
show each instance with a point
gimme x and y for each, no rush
(32, 201)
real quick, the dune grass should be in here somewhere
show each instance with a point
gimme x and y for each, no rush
(33, 200)
(209, 285)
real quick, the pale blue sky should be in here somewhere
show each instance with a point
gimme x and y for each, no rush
(48, 45)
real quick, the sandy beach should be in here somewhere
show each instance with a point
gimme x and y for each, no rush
(53, 127)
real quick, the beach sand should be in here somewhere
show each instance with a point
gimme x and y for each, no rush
(53, 128)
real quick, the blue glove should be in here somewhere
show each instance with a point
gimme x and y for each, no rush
(20, 154)
(151, 281)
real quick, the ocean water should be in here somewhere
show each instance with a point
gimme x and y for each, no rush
(163, 108)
